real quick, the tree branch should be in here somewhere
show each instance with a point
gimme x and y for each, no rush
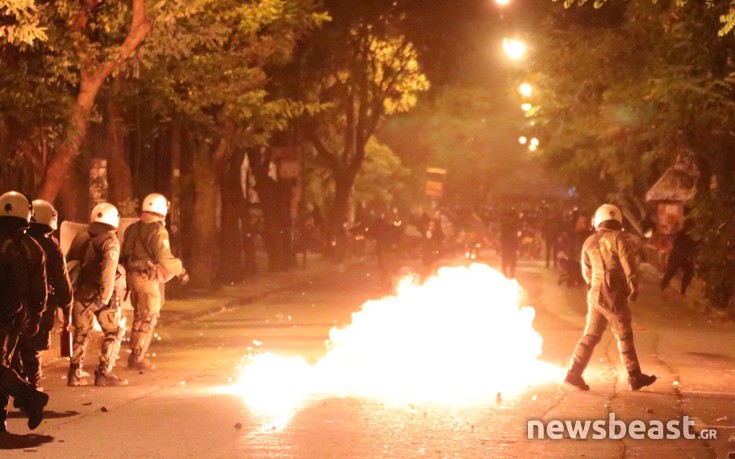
(90, 85)
(323, 153)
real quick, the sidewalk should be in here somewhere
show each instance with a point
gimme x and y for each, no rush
(262, 285)
(194, 306)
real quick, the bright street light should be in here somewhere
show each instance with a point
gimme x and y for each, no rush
(522, 140)
(525, 89)
(502, 2)
(532, 147)
(534, 141)
(526, 107)
(514, 48)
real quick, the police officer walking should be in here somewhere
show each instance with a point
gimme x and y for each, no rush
(146, 253)
(23, 299)
(609, 268)
(97, 252)
(27, 360)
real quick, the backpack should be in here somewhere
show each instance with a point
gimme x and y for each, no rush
(76, 267)
(13, 277)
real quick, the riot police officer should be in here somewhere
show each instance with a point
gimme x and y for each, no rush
(23, 299)
(609, 268)
(147, 256)
(27, 359)
(97, 294)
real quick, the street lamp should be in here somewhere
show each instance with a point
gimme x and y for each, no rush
(502, 2)
(526, 107)
(522, 140)
(514, 48)
(525, 89)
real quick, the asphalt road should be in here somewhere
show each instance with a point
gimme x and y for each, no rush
(186, 408)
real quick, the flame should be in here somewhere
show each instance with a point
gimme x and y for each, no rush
(460, 338)
(96, 325)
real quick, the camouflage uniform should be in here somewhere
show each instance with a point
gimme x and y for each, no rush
(27, 358)
(23, 287)
(146, 253)
(609, 256)
(96, 295)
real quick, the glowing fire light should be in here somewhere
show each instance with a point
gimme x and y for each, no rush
(459, 339)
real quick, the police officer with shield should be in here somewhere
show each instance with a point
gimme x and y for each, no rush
(97, 292)
(22, 302)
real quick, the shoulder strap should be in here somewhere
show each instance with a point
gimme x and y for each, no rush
(142, 242)
(135, 233)
(599, 252)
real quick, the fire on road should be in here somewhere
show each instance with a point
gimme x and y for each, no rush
(461, 338)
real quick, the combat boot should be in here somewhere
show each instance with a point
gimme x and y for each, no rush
(639, 380)
(33, 407)
(106, 379)
(75, 377)
(140, 364)
(574, 378)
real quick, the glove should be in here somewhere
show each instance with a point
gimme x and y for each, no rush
(98, 305)
(633, 296)
(30, 326)
(184, 277)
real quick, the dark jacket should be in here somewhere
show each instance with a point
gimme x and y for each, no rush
(22, 272)
(57, 277)
(684, 248)
(98, 252)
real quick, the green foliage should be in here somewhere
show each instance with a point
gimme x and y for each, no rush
(727, 19)
(615, 131)
(20, 23)
(206, 62)
(382, 175)
(468, 131)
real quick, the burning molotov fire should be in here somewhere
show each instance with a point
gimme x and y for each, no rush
(460, 338)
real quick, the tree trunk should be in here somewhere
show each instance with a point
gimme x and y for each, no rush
(206, 191)
(231, 261)
(175, 213)
(118, 170)
(90, 83)
(336, 235)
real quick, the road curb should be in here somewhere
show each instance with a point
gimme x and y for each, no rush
(250, 298)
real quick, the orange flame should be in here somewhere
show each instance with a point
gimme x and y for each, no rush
(460, 338)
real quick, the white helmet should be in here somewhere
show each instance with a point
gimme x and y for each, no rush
(14, 204)
(106, 213)
(156, 203)
(45, 214)
(607, 212)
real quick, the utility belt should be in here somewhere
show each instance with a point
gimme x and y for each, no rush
(96, 305)
(146, 267)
